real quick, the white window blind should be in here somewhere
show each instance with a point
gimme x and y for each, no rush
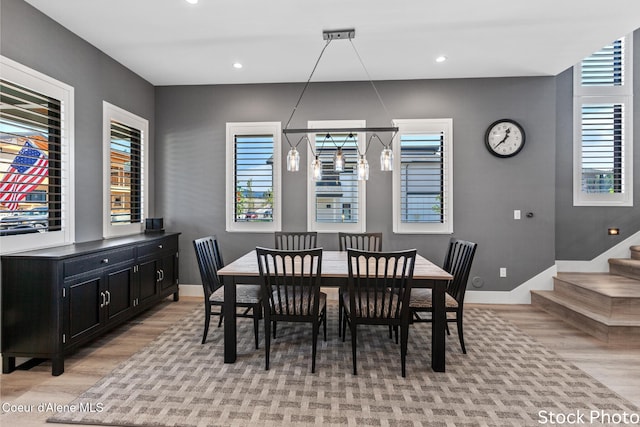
(253, 177)
(336, 202)
(605, 67)
(126, 174)
(603, 127)
(422, 176)
(125, 171)
(36, 122)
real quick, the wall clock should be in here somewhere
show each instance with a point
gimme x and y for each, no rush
(504, 138)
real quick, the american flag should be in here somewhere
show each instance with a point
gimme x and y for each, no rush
(28, 170)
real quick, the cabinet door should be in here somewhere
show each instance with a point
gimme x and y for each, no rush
(148, 275)
(168, 271)
(86, 301)
(119, 292)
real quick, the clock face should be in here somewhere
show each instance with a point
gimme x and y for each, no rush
(504, 138)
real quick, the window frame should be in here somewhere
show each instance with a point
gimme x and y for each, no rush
(253, 128)
(39, 82)
(112, 112)
(595, 95)
(312, 225)
(418, 126)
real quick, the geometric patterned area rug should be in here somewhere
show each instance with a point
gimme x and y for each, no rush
(506, 379)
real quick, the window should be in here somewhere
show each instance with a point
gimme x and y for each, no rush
(125, 171)
(336, 202)
(253, 177)
(422, 176)
(36, 146)
(603, 173)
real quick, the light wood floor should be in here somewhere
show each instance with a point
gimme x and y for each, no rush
(618, 368)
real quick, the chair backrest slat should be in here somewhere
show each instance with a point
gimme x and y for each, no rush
(382, 280)
(296, 240)
(363, 241)
(291, 280)
(209, 262)
(458, 262)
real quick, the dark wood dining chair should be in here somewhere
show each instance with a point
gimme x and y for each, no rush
(247, 296)
(457, 262)
(296, 240)
(291, 288)
(378, 293)
(362, 241)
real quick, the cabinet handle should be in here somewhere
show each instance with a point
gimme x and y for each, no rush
(161, 274)
(108, 297)
(104, 299)
(105, 261)
(158, 276)
(159, 246)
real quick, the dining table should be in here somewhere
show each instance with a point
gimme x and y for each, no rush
(334, 273)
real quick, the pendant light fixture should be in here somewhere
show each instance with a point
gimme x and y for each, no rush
(362, 168)
(338, 160)
(386, 157)
(316, 169)
(293, 160)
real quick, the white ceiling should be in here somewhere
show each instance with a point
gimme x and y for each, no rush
(171, 42)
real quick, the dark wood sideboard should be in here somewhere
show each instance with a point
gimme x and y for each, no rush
(56, 299)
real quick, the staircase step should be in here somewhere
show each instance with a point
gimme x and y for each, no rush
(635, 252)
(615, 297)
(613, 331)
(625, 267)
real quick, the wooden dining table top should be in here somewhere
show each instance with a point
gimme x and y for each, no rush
(334, 265)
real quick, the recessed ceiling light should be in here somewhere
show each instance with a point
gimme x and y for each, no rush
(192, 1)
(441, 58)
(237, 65)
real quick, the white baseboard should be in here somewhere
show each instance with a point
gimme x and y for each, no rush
(600, 264)
(191, 290)
(519, 295)
(544, 280)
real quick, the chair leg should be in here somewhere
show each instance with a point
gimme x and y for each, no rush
(344, 327)
(314, 347)
(460, 333)
(324, 323)
(353, 346)
(404, 339)
(340, 314)
(274, 329)
(256, 323)
(207, 319)
(267, 338)
(221, 317)
(447, 327)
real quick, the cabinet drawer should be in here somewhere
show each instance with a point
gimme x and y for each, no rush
(157, 246)
(96, 261)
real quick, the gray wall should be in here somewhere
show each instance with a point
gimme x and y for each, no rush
(34, 40)
(190, 134)
(581, 232)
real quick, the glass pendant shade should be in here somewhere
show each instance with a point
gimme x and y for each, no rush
(316, 169)
(363, 168)
(293, 160)
(338, 161)
(386, 159)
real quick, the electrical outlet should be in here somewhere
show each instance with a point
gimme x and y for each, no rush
(516, 214)
(503, 272)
